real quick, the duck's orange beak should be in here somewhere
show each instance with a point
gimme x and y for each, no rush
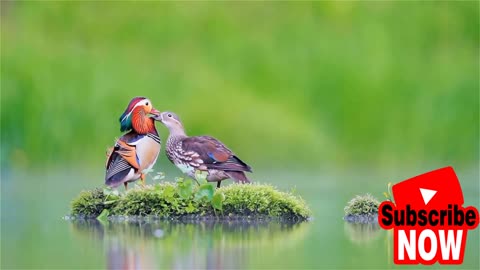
(155, 112)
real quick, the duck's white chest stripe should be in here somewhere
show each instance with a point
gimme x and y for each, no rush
(154, 137)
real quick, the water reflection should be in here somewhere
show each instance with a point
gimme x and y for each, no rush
(361, 233)
(177, 245)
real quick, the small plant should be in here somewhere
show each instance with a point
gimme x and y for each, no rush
(158, 176)
(388, 194)
(362, 205)
(204, 191)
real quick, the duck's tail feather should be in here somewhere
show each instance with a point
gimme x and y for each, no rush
(238, 176)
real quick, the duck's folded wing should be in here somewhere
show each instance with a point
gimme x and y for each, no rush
(128, 153)
(117, 169)
(213, 154)
(126, 148)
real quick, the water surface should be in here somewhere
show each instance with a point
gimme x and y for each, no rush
(34, 235)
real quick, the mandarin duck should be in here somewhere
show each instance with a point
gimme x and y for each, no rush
(135, 153)
(202, 153)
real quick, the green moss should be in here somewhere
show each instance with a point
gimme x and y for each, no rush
(173, 201)
(362, 205)
(262, 200)
(90, 203)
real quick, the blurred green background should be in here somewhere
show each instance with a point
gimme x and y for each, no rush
(330, 99)
(283, 84)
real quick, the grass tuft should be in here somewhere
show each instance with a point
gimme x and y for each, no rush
(362, 205)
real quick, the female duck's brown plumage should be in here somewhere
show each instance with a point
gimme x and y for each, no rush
(202, 153)
(136, 151)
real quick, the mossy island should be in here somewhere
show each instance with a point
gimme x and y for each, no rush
(362, 209)
(185, 200)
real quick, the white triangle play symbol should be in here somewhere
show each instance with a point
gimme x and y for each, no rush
(427, 194)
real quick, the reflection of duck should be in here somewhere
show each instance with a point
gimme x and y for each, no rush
(176, 245)
(119, 254)
(361, 233)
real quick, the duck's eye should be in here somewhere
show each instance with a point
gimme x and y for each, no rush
(146, 103)
(169, 115)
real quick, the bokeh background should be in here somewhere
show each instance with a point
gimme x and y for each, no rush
(339, 87)
(304, 83)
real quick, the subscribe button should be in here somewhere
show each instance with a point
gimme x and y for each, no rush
(428, 219)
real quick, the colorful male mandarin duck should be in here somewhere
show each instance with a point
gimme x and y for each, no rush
(135, 153)
(202, 153)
